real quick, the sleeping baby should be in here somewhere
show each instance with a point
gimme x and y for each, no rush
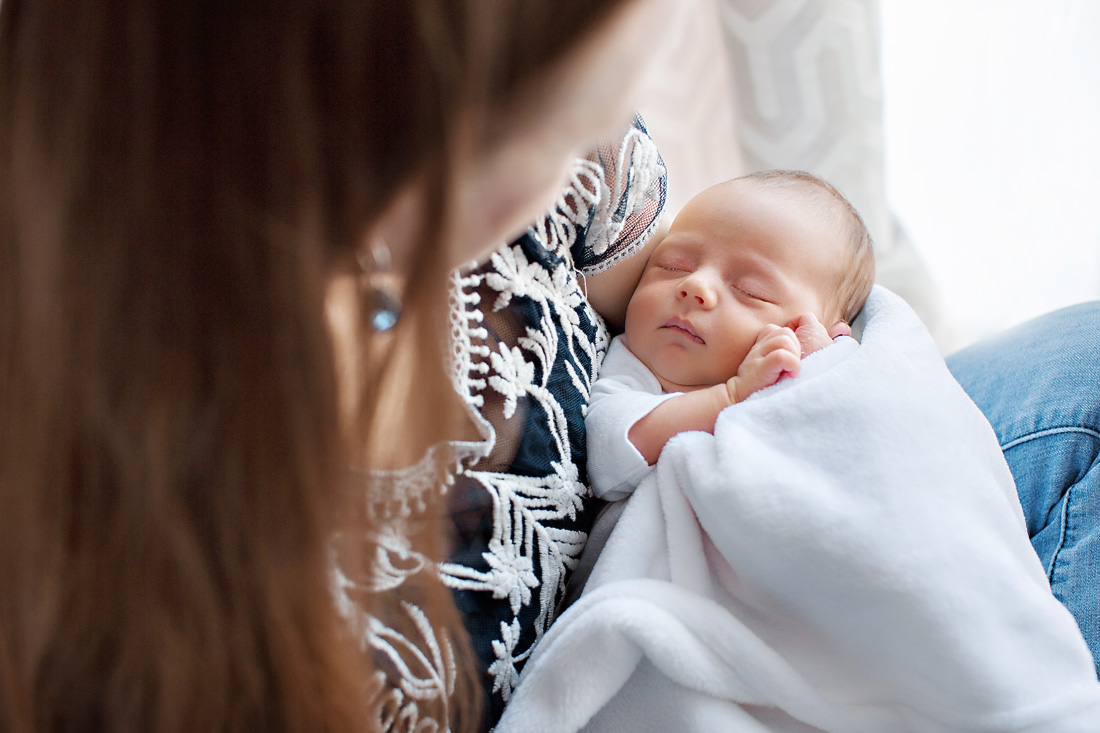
(831, 539)
(731, 300)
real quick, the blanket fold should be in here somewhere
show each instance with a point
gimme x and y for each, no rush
(845, 553)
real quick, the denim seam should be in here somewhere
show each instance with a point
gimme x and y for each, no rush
(1050, 431)
(1067, 497)
(1063, 530)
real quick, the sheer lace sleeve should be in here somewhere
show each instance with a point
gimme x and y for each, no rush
(628, 183)
(526, 346)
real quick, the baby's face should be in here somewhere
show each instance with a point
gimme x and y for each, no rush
(735, 259)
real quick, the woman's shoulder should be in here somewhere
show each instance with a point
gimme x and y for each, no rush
(630, 177)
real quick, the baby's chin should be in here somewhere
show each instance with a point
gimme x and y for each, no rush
(673, 375)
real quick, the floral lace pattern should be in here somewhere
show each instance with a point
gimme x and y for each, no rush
(526, 348)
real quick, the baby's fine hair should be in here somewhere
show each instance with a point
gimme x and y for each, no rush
(857, 278)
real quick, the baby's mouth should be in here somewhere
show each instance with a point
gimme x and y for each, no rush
(681, 324)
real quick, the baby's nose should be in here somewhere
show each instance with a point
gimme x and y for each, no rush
(697, 286)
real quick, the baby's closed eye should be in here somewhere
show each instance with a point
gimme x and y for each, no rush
(752, 293)
(675, 264)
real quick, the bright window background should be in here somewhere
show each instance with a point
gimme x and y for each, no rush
(992, 125)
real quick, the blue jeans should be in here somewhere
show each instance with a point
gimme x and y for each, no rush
(1039, 385)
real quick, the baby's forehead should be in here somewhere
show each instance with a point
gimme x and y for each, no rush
(795, 193)
(741, 196)
(747, 204)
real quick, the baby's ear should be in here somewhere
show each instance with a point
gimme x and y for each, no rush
(840, 328)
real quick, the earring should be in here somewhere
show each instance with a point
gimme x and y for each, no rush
(384, 304)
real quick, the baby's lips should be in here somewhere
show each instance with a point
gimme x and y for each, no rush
(686, 327)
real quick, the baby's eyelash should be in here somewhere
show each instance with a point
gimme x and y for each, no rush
(750, 294)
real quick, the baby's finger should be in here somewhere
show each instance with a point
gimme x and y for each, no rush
(804, 320)
(780, 364)
(811, 334)
(771, 331)
(767, 331)
(840, 328)
(779, 337)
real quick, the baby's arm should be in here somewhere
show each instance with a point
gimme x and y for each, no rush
(624, 392)
(776, 352)
(688, 411)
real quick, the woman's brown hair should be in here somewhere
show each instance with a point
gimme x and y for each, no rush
(179, 182)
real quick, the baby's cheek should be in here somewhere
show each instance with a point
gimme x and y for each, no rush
(730, 364)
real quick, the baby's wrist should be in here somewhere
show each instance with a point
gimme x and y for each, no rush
(730, 392)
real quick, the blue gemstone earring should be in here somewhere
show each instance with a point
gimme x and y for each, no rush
(384, 302)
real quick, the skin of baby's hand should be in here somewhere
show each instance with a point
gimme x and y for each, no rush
(812, 335)
(776, 353)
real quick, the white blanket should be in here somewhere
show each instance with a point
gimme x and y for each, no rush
(845, 553)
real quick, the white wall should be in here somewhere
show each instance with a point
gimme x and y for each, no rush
(993, 152)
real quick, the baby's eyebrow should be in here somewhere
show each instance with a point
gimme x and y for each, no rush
(673, 251)
(766, 276)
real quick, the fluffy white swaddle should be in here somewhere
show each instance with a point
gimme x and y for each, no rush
(845, 553)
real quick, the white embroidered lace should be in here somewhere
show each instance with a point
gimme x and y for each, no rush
(613, 200)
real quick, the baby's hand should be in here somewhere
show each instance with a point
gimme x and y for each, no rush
(812, 335)
(775, 354)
